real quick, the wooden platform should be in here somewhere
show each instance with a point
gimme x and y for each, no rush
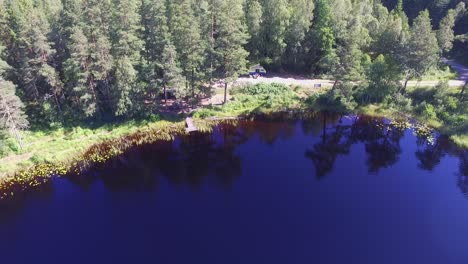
(190, 126)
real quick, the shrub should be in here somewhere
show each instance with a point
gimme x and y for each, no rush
(400, 102)
(427, 111)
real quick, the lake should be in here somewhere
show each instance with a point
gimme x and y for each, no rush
(329, 189)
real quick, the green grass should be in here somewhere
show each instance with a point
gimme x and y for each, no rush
(259, 98)
(64, 143)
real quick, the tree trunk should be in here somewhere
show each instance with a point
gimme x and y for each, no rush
(403, 90)
(462, 92)
(18, 138)
(193, 83)
(334, 84)
(225, 92)
(165, 94)
(58, 105)
(211, 44)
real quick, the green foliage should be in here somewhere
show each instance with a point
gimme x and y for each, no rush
(384, 79)
(445, 34)
(426, 110)
(421, 50)
(254, 98)
(339, 100)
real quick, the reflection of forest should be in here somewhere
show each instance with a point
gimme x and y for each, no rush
(191, 160)
(382, 145)
(204, 158)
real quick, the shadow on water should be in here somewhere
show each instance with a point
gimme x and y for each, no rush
(211, 159)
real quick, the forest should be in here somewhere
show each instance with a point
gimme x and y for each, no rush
(68, 62)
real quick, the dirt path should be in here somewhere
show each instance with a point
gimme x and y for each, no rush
(462, 70)
(287, 81)
(311, 83)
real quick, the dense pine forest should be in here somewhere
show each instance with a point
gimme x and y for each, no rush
(69, 61)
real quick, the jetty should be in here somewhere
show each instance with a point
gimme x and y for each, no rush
(190, 127)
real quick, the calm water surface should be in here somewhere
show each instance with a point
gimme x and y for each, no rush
(328, 190)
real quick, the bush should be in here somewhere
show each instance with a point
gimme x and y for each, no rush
(400, 102)
(339, 100)
(427, 111)
(264, 89)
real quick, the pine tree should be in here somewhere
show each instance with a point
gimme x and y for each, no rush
(275, 24)
(126, 48)
(253, 17)
(96, 27)
(156, 31)
(78, 75)
(171, 73)
(12, 117)
(300, 21)
(421, 52)
(185, 32)
(321, 38)
(445, 34)
(230, 42)
(158, 48)
(39, 79)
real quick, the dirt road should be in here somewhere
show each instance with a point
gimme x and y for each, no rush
(311, 83)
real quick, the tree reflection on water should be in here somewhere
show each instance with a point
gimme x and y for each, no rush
(382, 145)
(212, 158)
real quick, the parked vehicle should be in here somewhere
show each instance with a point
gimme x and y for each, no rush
(257, 71)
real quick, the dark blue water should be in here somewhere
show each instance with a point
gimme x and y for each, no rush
(352, 191)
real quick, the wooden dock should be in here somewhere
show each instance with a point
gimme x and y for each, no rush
(190, 126)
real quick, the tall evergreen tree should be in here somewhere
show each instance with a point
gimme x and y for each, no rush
(230, 42)
(445, 33)
(126, 49)
(38, 77)
(421, 52)
(300, 21)
(185, 32)
(171, 73)
(275, 24)
(321, 38)
(12, 117)
(96, 27)
(254, 19)
(78, 75)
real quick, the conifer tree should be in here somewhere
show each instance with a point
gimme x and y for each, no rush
(275, 24)
(171, 73)
(445, 34)
(421, 52)
(300, 21)
(78, 74)
(321, 38)
(126, 48)
(254, 19)
(12, 117)
(96, 27)
(185, 32)
(39, 79)
(230, 42)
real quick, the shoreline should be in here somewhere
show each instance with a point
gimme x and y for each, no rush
(75, 148)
